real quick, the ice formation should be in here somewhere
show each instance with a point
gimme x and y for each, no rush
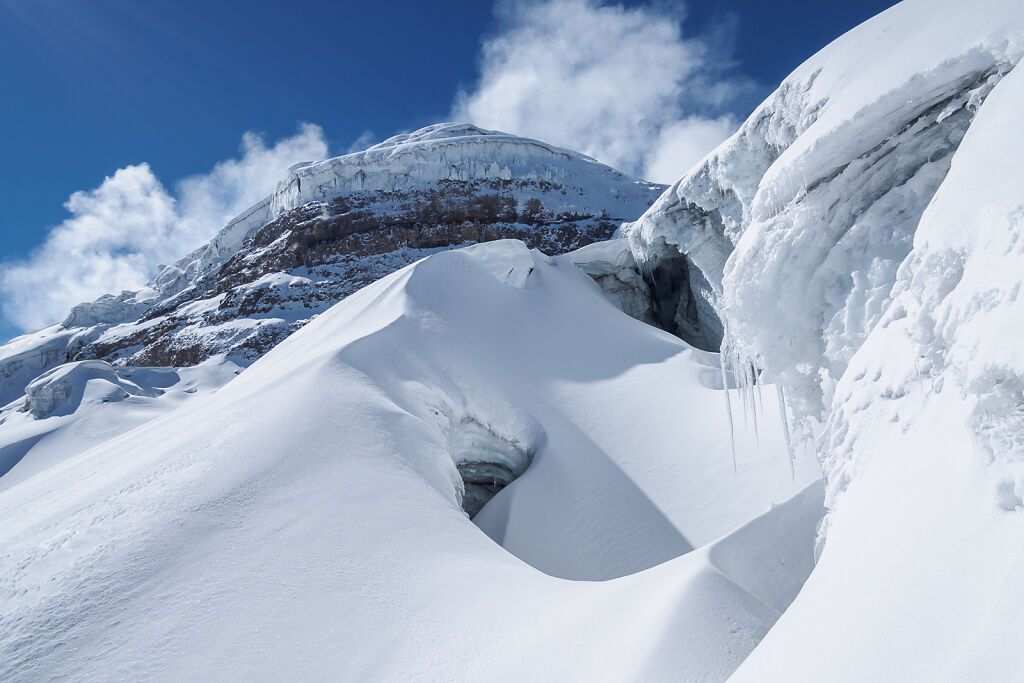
(860, 234)
(924, 458)
(479, 467)
(801, 219)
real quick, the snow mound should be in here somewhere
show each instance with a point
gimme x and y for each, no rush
(307, 519)
(60, 390)
(78, 405)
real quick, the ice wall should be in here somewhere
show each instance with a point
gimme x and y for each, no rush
(801, 219)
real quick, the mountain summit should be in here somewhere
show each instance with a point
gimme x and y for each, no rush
(330, 228)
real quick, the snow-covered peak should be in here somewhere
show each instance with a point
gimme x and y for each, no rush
(331, 227)
(454, 133)
(443, 152)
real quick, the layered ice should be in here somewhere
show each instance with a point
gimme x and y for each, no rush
(801, 219)
(860, 234)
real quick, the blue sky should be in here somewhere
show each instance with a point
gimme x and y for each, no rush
(94, 86)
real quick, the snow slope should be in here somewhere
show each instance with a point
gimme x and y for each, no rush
(304, 520)
(924, 559)
(76, 406)
(860, 240)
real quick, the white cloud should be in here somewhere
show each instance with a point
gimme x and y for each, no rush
(365, 140)
(682, 144)
(119, 232)
(623, 85)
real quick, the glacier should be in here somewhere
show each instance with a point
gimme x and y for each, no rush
(924, 458)
(814, 201)
(492, 463)
(859, 235)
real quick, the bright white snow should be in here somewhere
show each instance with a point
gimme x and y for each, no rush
(304, 520)
(801, 219)
(861, 237)
(924, 557)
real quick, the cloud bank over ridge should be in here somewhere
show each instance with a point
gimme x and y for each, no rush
(119, 232)
(623, 85)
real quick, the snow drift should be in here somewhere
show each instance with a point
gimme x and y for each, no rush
(305, 519)
(478, 467)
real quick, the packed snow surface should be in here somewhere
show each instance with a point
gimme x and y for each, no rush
(479, 468)
(76, 406)
(304, 519)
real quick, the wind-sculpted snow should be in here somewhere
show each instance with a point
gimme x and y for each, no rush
(304, 520)
(479, 467)
(800, 221)
(925, 454)
(76, 406)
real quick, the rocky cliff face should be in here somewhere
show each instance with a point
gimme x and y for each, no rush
(331, 228)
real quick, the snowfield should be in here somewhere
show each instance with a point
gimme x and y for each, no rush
(481, 467)
(305, 520)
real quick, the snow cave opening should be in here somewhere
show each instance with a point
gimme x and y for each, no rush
(486, 461)
(680, 301)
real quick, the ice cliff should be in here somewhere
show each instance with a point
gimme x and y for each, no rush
(800, 220)
(477, 466)
(860, 235)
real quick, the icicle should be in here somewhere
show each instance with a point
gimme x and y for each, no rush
(920, 380)
(753, 402)
(728, 409)
(723, 363)
(760, 394)
(742, 378)
(785, 431)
